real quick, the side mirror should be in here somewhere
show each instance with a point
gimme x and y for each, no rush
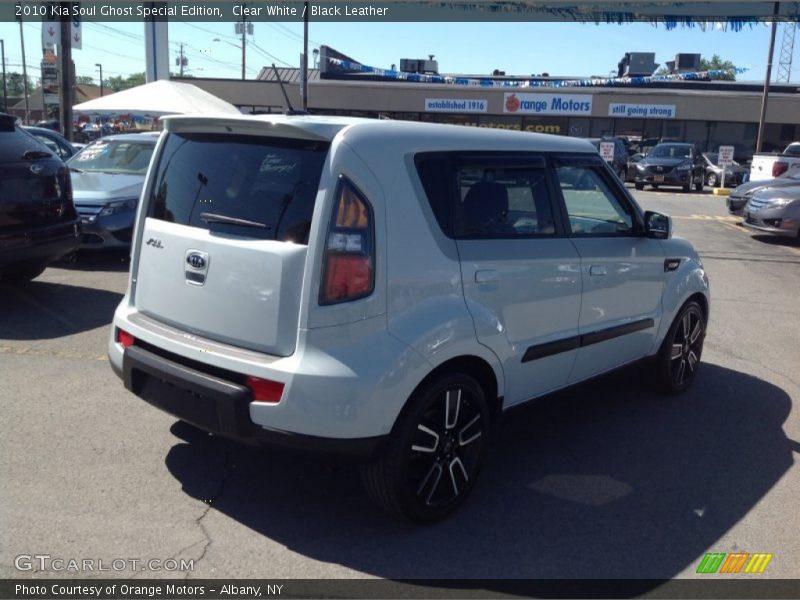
(657, 226)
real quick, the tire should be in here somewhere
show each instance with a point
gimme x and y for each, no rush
(22, 275)
(679, 357)
(638, 186)
(711, 180)
(435, 451)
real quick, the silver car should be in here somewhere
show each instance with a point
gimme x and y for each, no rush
(107, 179)
(739, 196)
(775, 211)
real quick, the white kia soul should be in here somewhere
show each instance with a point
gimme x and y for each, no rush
(384, 289)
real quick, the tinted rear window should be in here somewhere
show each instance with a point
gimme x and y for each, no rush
(269, 182)
(15, 142)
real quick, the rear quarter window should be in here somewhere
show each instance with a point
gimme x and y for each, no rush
(210, 181)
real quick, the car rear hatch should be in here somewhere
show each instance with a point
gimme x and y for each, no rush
(35, 187)
(223, 247)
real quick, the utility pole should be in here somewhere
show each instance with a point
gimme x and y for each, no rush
(65, 55)
(304, 66)
(24, 74)
(182, 61)
(765, 95)
(5, 90)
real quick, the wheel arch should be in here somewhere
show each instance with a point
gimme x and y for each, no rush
(474, 366)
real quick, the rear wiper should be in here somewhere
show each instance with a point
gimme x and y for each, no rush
(33, 154)
(214, 218)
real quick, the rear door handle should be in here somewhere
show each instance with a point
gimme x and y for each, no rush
(598, 270)
(486, 276)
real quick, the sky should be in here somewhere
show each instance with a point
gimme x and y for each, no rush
(560, 49)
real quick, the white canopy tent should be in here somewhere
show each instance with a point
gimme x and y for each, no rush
(157, 99)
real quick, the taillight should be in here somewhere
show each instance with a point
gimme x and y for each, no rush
(779, 168)
(348, 265)
(265, 390)
(124, 338)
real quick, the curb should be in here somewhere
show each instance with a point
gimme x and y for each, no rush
(721, 191)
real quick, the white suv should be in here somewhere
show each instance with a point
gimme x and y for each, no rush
(384, 289)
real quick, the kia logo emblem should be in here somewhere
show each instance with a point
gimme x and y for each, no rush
(196, 261)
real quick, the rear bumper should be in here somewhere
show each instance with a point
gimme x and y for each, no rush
(40, 246)
(221, 406)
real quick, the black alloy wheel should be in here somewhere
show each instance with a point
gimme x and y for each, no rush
(435, 452)
(679, 357)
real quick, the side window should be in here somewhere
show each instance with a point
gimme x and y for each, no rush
(51, 145)
(592, 207)
(502, 201)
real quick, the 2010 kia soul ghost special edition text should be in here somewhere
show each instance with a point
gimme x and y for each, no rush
(385, 289)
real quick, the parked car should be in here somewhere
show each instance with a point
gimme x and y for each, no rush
(384, 289)
(633, 159)
(734, 174)
(775, 211)
(673, 164)
(38, 223)
(107, 178)
(51, 124)
(56, 142)
(740, 195)
(620, 162)
(768, 166)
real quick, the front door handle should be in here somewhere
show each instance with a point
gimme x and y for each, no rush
(595, 270)
(486, 276)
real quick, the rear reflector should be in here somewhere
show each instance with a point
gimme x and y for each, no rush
(265, 390)
(124, 338)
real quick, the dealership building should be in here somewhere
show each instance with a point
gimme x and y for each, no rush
(709, 113)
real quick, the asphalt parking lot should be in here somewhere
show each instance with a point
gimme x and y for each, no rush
(605, 480)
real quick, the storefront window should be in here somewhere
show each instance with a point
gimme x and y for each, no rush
(580, 127)
(602, 128)
(742, 136)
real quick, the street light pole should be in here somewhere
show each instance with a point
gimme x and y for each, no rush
(5, 91)
(99, 66)
(24, 74)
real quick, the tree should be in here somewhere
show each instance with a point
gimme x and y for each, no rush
(119, 83)
(715, 64)
(14, 84)
(84, 80)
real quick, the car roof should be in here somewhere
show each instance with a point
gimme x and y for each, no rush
(326, 128)
(43, 130)
(149, 136)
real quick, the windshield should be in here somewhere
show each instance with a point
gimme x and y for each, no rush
(670, 151)
(114, 156)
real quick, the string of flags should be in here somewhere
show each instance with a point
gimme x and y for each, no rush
(354, 67)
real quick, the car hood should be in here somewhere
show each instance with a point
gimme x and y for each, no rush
(792, 192)
(104, 187)
(664, 162)
(758, 186)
